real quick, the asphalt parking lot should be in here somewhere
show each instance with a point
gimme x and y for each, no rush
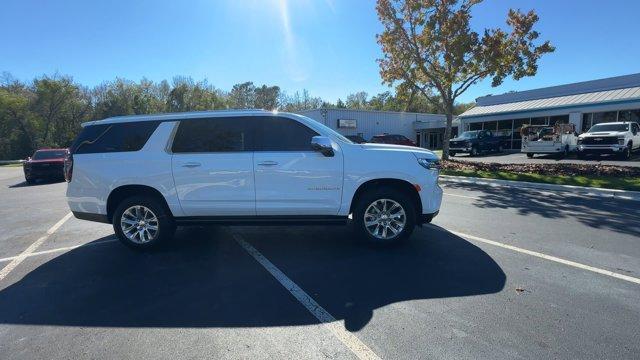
(500, 274)
(515, 157)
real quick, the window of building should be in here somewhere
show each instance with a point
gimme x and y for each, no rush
(603, 117)
(475, 126)
(490, 125)
(629, 115)
(586, 121)
(540, 120)
(283, 134)
(213, 135)
(559, 119)
(118, 137)
(517, 127)
(505, 128)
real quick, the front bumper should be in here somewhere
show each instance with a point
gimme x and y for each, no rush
(601, 149)
(426, 218)
(460, 149)
(49, 171)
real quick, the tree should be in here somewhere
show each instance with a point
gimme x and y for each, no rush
(299, 102)
(242, 96)
(429, 47)
(267, 97)
(357, 100)
(187, 95)
(17, 125)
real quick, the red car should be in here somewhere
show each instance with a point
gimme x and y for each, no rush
(45, 164)
(392, 139)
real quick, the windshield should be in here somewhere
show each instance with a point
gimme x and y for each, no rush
(469, 135)
(609, 127)
(47, 155)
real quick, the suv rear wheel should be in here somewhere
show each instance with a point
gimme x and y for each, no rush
(141, 222)
(384, 216)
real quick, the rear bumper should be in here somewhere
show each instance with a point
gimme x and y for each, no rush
(551, 148)
(91, 217)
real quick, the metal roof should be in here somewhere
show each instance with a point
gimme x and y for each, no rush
(598, 97)
(584, 87)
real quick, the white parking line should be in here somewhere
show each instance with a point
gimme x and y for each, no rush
(551, 258)
(44, 252)
(32, 248)
(361, 350)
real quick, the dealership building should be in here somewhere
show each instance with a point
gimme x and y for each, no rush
(427, 130)
(583, 104)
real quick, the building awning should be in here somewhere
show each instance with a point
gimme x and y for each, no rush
(599, 97)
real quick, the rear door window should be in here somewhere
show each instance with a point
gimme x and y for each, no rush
(117, 137)
(276, 133)
(231, 134)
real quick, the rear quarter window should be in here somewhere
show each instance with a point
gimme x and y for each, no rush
(119, 137)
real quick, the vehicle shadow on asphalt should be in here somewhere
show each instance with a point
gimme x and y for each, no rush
(40, 182)
(205, 279)
(621, 216)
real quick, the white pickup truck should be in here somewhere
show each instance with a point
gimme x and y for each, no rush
(560, 139)
(620, 138)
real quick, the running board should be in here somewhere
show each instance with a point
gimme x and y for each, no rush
(263, 220)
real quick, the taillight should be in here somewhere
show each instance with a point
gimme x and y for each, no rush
(68, 167)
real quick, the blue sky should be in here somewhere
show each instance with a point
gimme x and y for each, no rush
(325, 46)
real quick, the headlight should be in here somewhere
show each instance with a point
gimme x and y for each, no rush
(620, 141)
(429, 163)
(579, 141)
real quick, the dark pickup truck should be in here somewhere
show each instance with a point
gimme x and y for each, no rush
(476, 142)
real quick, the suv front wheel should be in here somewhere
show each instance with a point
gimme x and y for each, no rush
(384, 216)
(141, 222)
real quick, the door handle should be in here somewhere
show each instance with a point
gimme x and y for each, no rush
(191, 164)
(268, 163)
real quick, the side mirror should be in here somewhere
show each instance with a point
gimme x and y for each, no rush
(323, 145)
(28, 158)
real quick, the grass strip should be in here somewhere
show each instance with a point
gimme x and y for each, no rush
(632, 183)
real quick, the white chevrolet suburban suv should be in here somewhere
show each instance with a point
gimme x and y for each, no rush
(147, 174)
(620, 138)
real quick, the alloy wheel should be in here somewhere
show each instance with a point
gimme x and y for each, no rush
(139, 224)
(385, 219)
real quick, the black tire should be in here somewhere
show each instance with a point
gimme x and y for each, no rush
(452, 153)
(564, 153)
(530, 155)
(30, 181)
(379, 194)
(626, 154)
(474, 151)
(165, 224)
(581, 155)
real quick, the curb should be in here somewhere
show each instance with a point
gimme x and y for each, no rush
(576, 190)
